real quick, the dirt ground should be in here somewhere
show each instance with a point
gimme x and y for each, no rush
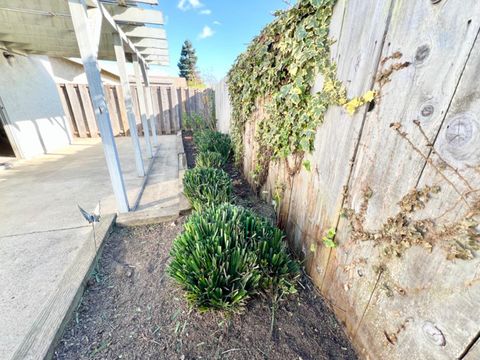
(131, 309)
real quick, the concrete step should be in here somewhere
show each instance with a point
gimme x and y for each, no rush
(162, 198)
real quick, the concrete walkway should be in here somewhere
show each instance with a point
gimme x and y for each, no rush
(43, 237)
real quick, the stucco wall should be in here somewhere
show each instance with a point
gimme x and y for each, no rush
(67, 71)
(36, 118)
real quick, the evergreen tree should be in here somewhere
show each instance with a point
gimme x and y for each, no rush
(188, 62)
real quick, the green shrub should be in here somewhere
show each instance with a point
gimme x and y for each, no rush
(208, 140)
(207, 186)
(226, 254)
(210, 159)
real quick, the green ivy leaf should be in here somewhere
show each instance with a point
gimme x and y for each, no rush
(307, 165)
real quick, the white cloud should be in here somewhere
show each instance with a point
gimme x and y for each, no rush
(206, 32)
(206, 12)
(217, 22)
(186, 5)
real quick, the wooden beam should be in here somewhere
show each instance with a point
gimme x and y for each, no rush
(122, 69)
(148, 98)
(126, 41)
(150, 43)
(163, 60)
(144, 32)
(130, 2)
(142, 105)
(135, 15)
(157, 52)
(81, 25)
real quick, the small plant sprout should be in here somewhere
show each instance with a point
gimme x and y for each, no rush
(329, 238)
(91, 218)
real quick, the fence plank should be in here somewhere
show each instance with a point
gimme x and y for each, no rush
(156, 108)
(181, 110)
(122, 109)
(175, 108)
(136, 109)
(389, 165)
(191, 101)
(88, 110)
(77, 110)
(165, 109)
(335, 148)
(451, 302)
(112, 109)
(66, 107)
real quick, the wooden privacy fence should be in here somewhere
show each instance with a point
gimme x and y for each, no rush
(423, 60)
(171, 106)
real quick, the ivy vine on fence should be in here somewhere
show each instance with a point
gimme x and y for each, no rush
(281, 65)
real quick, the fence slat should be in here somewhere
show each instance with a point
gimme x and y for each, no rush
(180, 107)
(88, 110)
(175, 109)
(120, 100)
(112, 108)
(156, 108)
(66, 106)
(77, 110)
(165, 109)
(136, 109)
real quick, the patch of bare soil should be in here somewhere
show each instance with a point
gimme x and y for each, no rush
(132, 309)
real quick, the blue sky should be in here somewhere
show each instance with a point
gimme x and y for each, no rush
(227, 27)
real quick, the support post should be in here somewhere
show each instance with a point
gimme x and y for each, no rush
(141, 105)
(148, 97)
(122, 68)
(88, 52)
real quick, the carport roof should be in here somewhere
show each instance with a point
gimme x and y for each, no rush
(45, 27)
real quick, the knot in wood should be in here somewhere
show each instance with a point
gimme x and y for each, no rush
(433, 334)
(459, 131)
(422, 53)
(427, 110)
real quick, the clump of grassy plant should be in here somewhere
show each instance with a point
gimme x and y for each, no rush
(226, 254)
(210, 159)
(197, 122)
(204, 187)
(208, 140)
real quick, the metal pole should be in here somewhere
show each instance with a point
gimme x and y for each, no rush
(122, 68)
(88, 52)
(141, 103)
(148, 98)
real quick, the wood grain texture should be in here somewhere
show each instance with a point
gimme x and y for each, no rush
(122, 110)
(421, 58)
(165, 109)
(157, 108)
(175, 111)
(440, 291)
(88, 110)
(66, 107)
(76, 106)
(112, 108)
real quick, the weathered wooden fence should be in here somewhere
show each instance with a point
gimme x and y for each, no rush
(171, 105)
(423, 59)
(222, 106)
